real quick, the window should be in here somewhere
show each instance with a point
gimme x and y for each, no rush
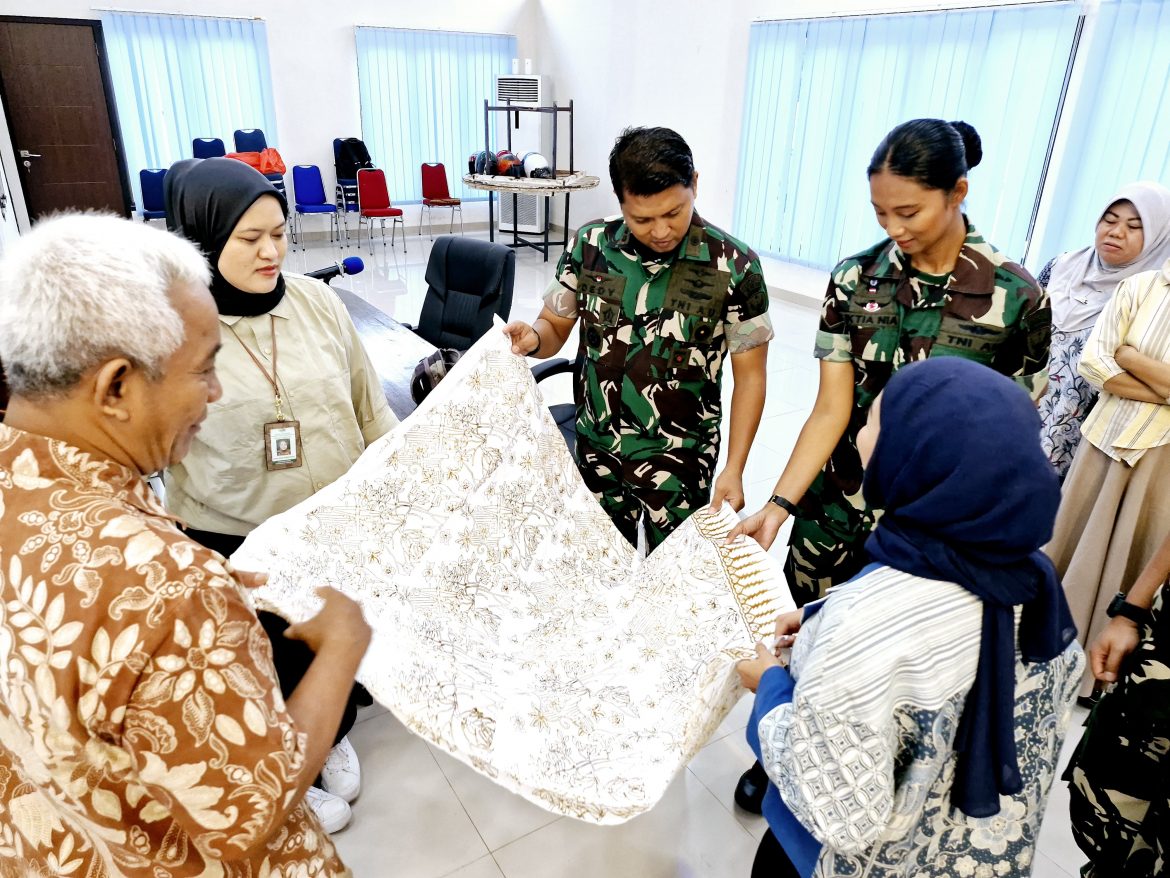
(1117, 122)
(821, 94)
(422, 95)
(179, 77)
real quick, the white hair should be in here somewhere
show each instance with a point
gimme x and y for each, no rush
(81, 288)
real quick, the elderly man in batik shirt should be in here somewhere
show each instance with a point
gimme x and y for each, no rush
(142, 731)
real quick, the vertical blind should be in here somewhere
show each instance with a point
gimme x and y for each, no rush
(821, 94)
(179, 77)
(422, 95)
(1118, 121)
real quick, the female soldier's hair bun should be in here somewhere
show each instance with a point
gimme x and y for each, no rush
(934, 153)
(972, 144)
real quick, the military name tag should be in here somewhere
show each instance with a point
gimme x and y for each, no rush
(966, 335)
(610, 287)
(697, 289)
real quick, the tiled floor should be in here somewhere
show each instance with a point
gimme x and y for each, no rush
(422, 814)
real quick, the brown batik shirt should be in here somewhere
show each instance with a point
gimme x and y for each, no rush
(142, 730)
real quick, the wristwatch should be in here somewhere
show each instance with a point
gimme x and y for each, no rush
(787, 505)
(1119, 606)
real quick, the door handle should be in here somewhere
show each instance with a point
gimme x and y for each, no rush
(25, 154)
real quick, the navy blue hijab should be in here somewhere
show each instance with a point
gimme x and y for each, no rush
(969, 498)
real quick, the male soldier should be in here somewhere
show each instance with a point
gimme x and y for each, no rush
(663, 296)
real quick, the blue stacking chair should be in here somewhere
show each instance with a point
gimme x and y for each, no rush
(207, 148)
(250, 140)
(153, 205)
(309, 197)
(253, 140)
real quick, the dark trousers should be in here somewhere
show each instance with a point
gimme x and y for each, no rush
(290, 657)
(771, 860)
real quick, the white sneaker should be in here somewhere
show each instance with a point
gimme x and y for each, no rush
(331, 810)
(341, 774)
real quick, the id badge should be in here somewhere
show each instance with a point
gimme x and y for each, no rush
(282, 445)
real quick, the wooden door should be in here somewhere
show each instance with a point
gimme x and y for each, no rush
(9, 229)
(53, 86)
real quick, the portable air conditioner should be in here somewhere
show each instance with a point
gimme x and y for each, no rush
(530, 132)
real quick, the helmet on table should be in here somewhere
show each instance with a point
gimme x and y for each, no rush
(536, 165)
(485, 162)
(508, 164)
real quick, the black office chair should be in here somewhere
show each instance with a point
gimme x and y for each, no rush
(564, 413)
(468, 282)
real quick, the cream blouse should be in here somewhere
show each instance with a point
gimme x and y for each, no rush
(327, 384)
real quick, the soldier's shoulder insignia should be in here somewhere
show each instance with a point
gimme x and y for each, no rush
(755, 294)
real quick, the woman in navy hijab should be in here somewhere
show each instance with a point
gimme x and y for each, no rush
(917, 729)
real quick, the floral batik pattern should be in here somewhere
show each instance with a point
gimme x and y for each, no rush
(514, 626)
(864, 756)
(142, 732)
(1067, 401)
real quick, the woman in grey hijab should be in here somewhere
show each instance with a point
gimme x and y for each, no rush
(1133, 235)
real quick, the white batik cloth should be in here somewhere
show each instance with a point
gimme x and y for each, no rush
(514, 627)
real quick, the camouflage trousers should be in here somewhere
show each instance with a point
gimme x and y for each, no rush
(650, 489)
(827, 544)
(1119, 777)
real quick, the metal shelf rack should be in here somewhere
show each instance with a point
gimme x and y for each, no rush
(519, 238)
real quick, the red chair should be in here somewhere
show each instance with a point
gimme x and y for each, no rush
(436, 194)
(374, 204)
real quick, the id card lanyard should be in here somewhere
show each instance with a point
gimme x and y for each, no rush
(282, 437)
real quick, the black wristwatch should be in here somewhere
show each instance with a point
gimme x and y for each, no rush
(787, 505)
(1119, 606)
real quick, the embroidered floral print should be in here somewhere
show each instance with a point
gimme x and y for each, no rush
(513, 625)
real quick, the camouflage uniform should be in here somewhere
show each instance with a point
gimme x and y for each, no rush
(1119, 776)
(654, 334)
(879, 314)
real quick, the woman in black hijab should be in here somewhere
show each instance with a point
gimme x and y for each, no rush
(301, 400)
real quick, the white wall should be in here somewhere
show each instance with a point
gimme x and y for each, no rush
(313, 57)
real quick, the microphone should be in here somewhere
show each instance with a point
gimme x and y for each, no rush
(347, 266)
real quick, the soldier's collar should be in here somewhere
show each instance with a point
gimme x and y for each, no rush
(694, 246)
(973, 275)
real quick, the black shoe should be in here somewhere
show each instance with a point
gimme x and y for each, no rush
(749, 792)
(361, 697)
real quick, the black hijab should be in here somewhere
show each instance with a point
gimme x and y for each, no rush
(969, 498)
(205, 199)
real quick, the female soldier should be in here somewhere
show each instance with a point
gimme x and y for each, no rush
(934, 287)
